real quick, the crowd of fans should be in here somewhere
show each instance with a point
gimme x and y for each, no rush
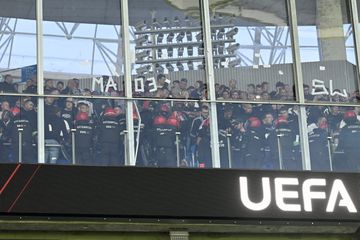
(177, 133)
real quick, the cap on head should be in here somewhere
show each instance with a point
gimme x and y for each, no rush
(109, 112)
(82, 116)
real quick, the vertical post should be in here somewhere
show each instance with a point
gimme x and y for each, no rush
(129, 137)
(299, 86)
(125, 132)
(73, 146)
(177, 134)
(20, 144)
(209, 69)
(356, 31)
(228, 138)
(330, 153)
(281, 165)
(40, 81)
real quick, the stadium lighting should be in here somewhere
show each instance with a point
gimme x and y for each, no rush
(170, 37)
(188, 36)
(180, 51)
(141, 40)
(232, 48)
(140, 25)
(190, 50)
(143, 69)
(190, 65)
(142, 55)
(169, 67)
(180, 66)
(170, 51)
(230, 34)
(160, 38)
(180, 37)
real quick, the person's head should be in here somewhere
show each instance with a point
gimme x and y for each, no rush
(54, 91)
(226, 94)
(283, 94)
(243, 95)
(87, 92)
(232, 84)
(175, 84)
(8, 78)
(350, 117)
(322, 123)
(183, 84)
(49, 100)
(237, 124)
(250, 88)
(49, 83)
(60, 86)
(234, 95)
(205, 111)
(69, 103)
(265, 87)
(265, 96)
(279, 85)
(228, 112)
(199, 84)
(306, 89)
(251, 96)
(118, 110)
(258, 89)
(335, 110)
(71, 84)
(217, 87)
(6, 115)
(268, 119)
(28, 105)
(83, 107)
(28, 83)
(248, 108)
(283, 112)
(5, 105)
(161, 79)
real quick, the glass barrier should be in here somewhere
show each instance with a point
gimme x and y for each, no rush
(259, 136)
(84, 131)
(18, 130)
(252, 50)
(17, 47)
(172, 134)
(334, 134)
(83, 48)
(167, 49)
(327, 51)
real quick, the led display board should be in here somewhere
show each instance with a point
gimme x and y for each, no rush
(178, 193)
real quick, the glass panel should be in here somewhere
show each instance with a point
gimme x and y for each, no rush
(172, 134)
(327, 51)
(167, 48)
(83, 48)
(84, 131)
(334, 134)
(18, 128)
(259, 136)
(17, 45)
(252, 50)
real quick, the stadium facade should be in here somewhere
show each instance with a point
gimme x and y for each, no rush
(174, 119)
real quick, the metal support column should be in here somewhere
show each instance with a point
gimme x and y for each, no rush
(356, 31)
(40, 81)
(73, 146)
(210, 83)
(299, 86)
(130, 158)
(21, 130)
